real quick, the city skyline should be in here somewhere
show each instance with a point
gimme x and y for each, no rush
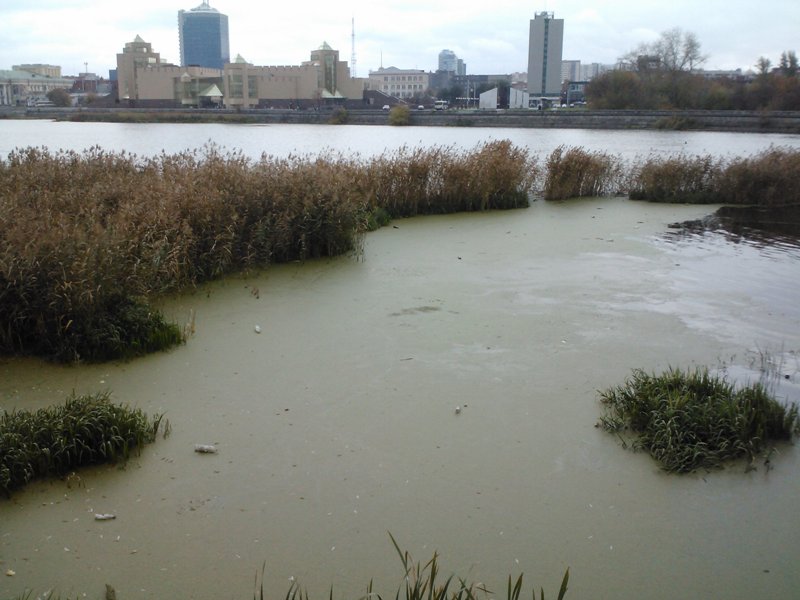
(79, 34)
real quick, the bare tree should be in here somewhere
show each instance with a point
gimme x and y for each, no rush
(788, 64)
(763, 65)
(674, 50)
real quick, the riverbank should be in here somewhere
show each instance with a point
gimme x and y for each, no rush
(695, 120)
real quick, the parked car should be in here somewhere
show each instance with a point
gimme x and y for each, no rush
(386, 107)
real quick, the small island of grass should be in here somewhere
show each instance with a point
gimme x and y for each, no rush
(690, 420)
(85, 430)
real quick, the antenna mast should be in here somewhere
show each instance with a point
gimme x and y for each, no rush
(353, 49)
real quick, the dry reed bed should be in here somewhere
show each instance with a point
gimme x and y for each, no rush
(766, 179)
(576, 172)
(88, 240)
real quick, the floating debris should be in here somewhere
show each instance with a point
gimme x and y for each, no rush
(257, 328)
(205, 448)
(458, 410)
(10, 573)
(104, 517)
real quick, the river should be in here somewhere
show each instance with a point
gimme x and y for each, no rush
(336, 424)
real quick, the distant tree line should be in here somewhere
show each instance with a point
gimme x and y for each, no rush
(662, 75)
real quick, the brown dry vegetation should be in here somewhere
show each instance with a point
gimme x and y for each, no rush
(765, 179)
(691, 179)
(89, 240)
(575, 172)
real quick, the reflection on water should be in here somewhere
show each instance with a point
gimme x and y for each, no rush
(762, 245)
(773, 228)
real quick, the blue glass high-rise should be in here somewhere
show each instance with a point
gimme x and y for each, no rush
(203, 33)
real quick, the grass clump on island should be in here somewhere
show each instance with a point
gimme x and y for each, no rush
(689, 420)
(85, 430)
(90, 240)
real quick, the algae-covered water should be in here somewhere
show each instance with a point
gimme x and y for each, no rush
(336, 424)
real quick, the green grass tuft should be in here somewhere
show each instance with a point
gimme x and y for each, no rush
(689, 420)
(86, 430)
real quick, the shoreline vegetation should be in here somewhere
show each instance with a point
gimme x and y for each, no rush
(91, 240)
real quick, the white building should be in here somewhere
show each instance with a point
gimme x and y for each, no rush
(545, 47)
(400, 83)
(570, 70)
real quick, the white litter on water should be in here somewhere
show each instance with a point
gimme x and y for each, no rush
(205, 448)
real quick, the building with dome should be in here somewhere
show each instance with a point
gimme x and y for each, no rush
(203, 37)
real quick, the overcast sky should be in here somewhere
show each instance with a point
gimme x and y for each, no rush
(490, 36)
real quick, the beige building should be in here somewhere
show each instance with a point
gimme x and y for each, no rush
(321, 80)
(39, 69)
(145, 80)
(136, 56)
(400, 83)
(248, 86)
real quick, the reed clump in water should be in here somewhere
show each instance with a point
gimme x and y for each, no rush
(86, 430)
(576, 172)
(440, 180)
(689, 420)
(769, 178)
(765, 179)
(687, 179)
(90, 240)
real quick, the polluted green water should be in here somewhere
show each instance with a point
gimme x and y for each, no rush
(335, 423)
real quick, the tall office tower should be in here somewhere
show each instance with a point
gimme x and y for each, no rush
(203, 34)
(544, 55)
(448, 61)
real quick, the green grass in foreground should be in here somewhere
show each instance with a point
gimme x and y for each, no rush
(425, 582)
(689, 420)
(85, 430)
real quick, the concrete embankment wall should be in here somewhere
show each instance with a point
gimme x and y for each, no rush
(784, 122)
(746, 121)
